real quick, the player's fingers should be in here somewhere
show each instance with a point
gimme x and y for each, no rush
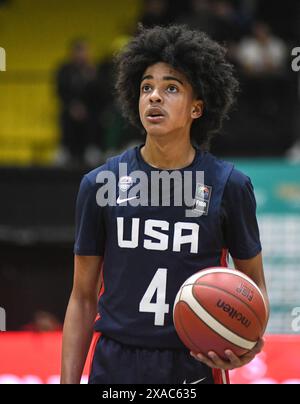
(219, 363)
(235, 361)
(259, 346)
(248, 357)
(203, 359)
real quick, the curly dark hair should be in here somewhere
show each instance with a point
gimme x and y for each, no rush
(193, 53)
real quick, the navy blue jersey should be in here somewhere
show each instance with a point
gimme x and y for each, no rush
(149, 251)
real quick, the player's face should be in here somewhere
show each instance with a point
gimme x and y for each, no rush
(167, 101)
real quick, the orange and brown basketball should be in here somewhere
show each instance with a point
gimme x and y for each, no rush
(219, 309)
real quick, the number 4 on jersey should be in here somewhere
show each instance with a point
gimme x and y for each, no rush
(160, 308)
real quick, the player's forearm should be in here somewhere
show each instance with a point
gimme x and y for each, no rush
(77, 336)
(254, 269)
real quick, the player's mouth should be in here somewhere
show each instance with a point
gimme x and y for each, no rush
(155, 115)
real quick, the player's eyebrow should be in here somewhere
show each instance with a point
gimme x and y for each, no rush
(167, 78)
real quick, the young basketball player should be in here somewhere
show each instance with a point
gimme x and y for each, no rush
(176, 85)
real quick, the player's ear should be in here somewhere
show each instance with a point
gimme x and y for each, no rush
(197, 109)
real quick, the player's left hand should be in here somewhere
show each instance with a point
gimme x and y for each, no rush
(213, 361)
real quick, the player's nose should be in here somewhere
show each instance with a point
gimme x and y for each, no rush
(155, 97)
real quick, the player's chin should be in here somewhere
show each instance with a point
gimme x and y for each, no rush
(158, 129)
(157, 132)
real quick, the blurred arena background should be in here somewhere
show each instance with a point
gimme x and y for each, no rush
(58, 119)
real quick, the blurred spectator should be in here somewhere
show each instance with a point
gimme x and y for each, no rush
(116, 133)
(283, 17)
(43, 322)
(200, 17)
(218, 18)
(227, 21)
(267, 98)
(263, 53)
(76, 82)
(293, 154)
(155, 12)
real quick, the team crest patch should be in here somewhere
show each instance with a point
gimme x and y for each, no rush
(125, 183)
(202, 199)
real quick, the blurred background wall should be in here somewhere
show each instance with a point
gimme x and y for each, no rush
(36, 36)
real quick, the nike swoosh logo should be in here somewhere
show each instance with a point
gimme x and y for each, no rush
(197, 382)
(119, 200)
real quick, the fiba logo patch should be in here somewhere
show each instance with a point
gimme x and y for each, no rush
(2, 319)
(2, 60)
(202, 199)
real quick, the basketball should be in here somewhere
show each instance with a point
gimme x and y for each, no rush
(219, 309)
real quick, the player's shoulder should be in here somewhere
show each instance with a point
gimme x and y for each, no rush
(217, 163)
(111, 166)
(238, 185)
(236, 179)
(216, 168)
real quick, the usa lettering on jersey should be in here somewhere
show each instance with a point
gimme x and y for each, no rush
(159, 230)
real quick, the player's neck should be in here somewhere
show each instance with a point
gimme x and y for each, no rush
(168, 155)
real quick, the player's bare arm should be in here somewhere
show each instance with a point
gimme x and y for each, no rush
(254, 269)
(81, 313)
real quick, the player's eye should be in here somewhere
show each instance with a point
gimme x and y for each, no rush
(172, 89)
(146, 88)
